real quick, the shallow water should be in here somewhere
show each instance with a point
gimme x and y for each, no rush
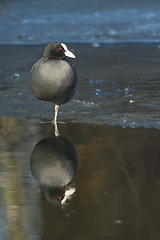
(117, 183)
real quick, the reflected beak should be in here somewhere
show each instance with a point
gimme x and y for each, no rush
(68, 194)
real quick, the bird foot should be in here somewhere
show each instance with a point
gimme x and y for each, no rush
(45, 122)
(52, 121)
(61, 122)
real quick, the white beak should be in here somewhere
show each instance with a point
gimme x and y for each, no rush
(67, 52)
(68, 194)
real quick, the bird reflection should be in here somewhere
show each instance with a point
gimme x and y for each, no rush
(54, 164)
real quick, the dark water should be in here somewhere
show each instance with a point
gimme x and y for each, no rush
(117, 183)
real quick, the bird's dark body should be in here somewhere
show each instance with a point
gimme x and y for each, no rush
(54, 80)
(54, 162)
(53, 77)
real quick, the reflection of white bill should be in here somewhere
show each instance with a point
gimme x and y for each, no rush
(68, 193)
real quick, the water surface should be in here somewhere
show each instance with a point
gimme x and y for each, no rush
(117, 183)
(113, 121)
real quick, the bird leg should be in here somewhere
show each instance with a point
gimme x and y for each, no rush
(55, 120)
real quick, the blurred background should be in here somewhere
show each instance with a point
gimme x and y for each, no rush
(41, 21)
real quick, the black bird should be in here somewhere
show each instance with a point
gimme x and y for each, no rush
(54, 164)
(53, 77)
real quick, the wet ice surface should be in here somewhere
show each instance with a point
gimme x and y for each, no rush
(117, 183)
(118, 85)
(113, 122)
(84, 21)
